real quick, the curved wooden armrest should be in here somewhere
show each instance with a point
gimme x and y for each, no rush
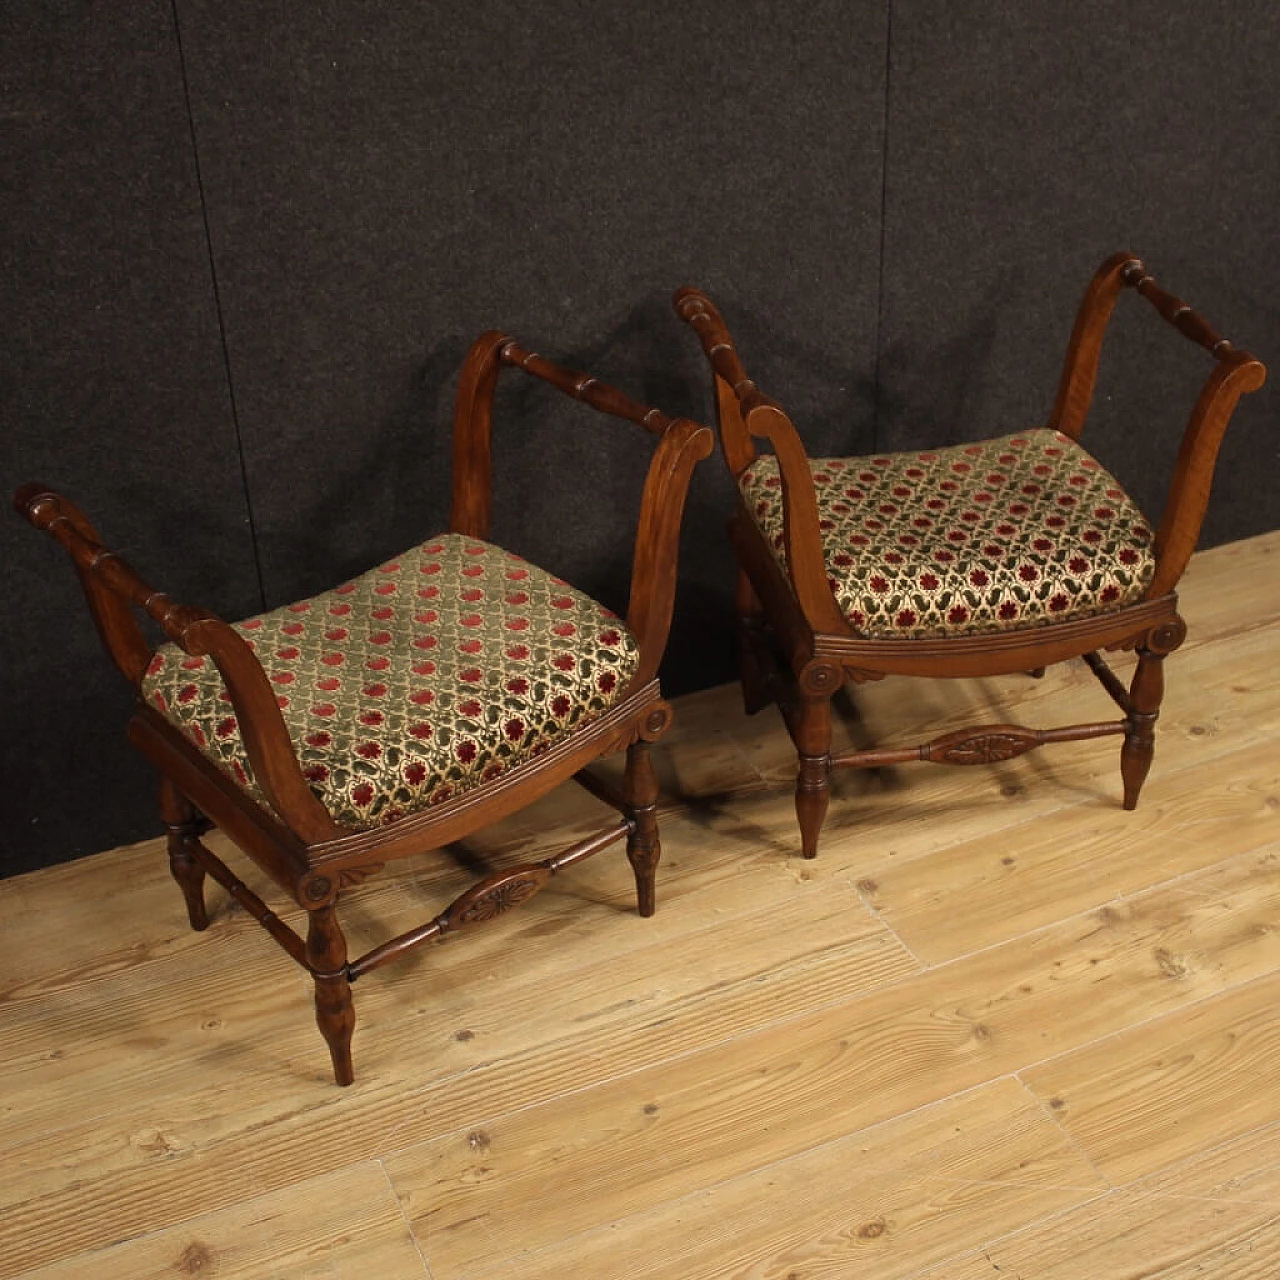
(683, 445)
(744, 411)
(1084, 350)
(1235, 373)
(653, 572)
(113, 588)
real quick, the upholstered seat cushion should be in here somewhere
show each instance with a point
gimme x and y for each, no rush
(1016, 532)
(416, 681)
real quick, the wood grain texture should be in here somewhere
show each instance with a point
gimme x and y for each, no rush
(881, 1203)
(945, 1031)
(1179, 1084)
(844, 1066)
(1131, 1236)
(1215, 1214)
(342, 1226)
(1062, 864)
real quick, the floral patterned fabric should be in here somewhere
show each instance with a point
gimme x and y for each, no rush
(414, 682)
(1016, 532)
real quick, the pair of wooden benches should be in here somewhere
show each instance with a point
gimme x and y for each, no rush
(457, 683)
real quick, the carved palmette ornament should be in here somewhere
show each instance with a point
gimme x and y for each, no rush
(986, 747)
(494, 897)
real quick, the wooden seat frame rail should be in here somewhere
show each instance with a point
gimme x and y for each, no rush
(798, 649)
(295, 841)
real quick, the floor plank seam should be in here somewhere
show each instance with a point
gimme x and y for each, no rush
(1260, 979)
(1067, 1136)
(865, 898)
(856, 1135)
(933, 1272)
(779, 1023)
(404, 1217)
(1137, 894)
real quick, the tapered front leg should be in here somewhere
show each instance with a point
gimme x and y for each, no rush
(182, 820)
(335, 1012)
(811, 731)
(643, 846)
(1145, 695)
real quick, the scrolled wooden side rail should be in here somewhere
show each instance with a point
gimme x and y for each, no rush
(1120, 271)
(1084, 350)
(1235, 373)
(682, 444)
(745, 411)
(653, 568)
(1178, 532)
(112, 588)
(110, 583)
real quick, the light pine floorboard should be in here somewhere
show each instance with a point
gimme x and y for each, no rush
(998, 1028)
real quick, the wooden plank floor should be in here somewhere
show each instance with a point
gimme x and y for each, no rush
(999, 1028)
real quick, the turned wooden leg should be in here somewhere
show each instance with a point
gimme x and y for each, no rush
(180, 817)
(643, 846)
(1140, 728)
(335, 1013)
(812, 734)
(1145, 695)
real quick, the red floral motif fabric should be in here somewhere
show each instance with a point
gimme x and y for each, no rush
(1016, 532)
(416, 681)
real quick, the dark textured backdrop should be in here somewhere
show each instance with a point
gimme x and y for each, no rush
(248, 246)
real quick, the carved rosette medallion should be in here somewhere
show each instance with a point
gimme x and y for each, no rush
(656, 722)
(317, 889)
(820, 679)
(1167, 637)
